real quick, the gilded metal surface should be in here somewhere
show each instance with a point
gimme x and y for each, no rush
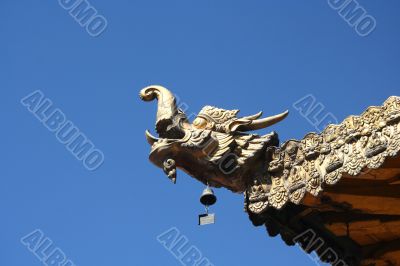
(216, 149)
(357, 144)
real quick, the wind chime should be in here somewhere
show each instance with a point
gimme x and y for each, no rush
(208, 199)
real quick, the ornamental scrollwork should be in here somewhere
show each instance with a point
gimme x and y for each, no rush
(359, 143)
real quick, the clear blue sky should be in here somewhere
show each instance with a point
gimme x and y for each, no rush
(253, 55)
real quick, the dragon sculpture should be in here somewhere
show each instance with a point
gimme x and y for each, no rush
(288, 188)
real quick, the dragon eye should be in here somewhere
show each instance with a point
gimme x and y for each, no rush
(200, 123)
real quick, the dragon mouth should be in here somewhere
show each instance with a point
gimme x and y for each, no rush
(163, 150)
(156, 142)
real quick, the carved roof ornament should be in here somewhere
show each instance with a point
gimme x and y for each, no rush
(226, 121)
(278, 181)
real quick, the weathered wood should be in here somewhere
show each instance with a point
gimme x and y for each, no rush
(367, 232)
(372, 189)
(369, 204)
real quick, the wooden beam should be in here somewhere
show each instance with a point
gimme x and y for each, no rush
(387, 251)
(367, 189)
(392, 162)
(383, 173)
(367, 204)
(367, 232)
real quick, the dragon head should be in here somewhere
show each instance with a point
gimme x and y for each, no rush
(214, 148)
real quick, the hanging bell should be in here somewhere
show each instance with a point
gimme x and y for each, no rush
(208, 198)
